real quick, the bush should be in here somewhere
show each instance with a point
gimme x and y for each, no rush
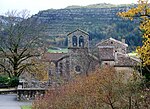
(146, 73)
(104, 89)
(14, 81)
(4, 80)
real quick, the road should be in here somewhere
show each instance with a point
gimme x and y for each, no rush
(10, 102)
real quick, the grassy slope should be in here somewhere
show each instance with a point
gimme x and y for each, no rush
(132, 54)
(58, 51)
(26, 107)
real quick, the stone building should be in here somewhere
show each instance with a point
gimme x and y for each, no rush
(119, 46)
(80, 59)
(67, 64)
(115, 51)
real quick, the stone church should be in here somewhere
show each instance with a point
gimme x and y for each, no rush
(81, 60)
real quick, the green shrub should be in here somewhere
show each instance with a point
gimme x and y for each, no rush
(14, 81)
(4, 79)
(26, 107)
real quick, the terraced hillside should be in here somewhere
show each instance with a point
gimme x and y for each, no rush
(100, 20)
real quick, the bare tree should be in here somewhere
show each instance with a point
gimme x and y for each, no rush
(19, 43)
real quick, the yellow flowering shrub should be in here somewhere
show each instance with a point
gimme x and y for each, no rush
(142, 11)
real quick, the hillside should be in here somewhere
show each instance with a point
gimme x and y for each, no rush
(101, 5)
(100, 20)
(61, 21)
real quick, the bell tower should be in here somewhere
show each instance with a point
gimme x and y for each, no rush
(78, 43)
(78, 40)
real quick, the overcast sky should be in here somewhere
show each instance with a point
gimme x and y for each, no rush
(34, 6)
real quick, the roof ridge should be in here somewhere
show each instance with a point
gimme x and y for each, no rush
(101, 41)
(78, 29)
(118, 41)
(136, 59)
(113, 40)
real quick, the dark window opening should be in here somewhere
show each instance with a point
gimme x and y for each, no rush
(49, 73)
(111, 42)
(74, 41)
(77, 68)
(67, 64)
(61, 68)
(67, 67)
(81, 41)
(106, 64)
(33, 75)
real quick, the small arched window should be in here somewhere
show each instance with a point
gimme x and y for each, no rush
(61, 68)
(67, 64)
(74, 41)
(81, 41)
(78, 68)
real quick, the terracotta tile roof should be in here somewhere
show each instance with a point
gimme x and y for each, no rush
(125, 60)
(106, 52)
(53, 56)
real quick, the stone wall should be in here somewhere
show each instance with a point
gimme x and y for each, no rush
(29, 93)
(29, 90)
(118, 45)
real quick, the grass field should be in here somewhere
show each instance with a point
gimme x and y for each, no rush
(132, 54)
(26, 107)
(65, 50)
(57, 50)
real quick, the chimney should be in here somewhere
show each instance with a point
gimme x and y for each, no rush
(123, 39)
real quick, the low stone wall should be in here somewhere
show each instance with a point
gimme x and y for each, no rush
(29, 93)
(8, 90)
